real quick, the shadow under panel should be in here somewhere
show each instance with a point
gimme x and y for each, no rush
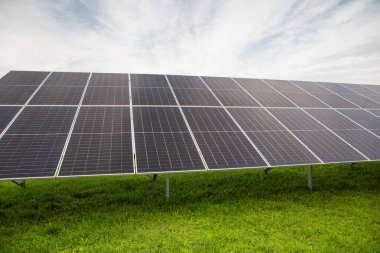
(165, 152)
(6, 115)
(15, 95)
(29, 156)
(106, 95)
(98, 154)
(23, 78)
(58, 95)
(152, 96)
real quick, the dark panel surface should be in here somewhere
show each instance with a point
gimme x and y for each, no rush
(152, 96)
(160, 119)
(363, 141)
(223, 150)
(160, 152)
(30, 155)
(255, 119)
(107, 96)
(271, 99)
(67, 79)
(334, 100)
(103, 120)
(94, 154)
(235, 98)
(376, 112)
(221, 83)
(375, 88)
(296, 119)
(43, 120)
(282, 85)
(304, 100)
(281, 148)
(335, 87)
(332, 119)
(253, 84)
(15, 95)
(186, 82)
(362, 89)
(363, 117)
(328, 147)
(58, 95)
(195, 97)
(310, 87)
(360, 100)
(209, 119)
(23, 78)
(6, 115)
(145, 81)
(106, 79)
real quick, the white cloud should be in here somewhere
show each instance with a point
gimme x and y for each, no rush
(308, 40)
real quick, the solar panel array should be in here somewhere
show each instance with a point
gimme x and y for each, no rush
(62, 124)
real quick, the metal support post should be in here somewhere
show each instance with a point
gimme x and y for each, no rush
(310, 177)
(21, 183)
(167, 188)
(266, 170)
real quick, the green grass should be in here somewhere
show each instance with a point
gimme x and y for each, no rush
(230, 211)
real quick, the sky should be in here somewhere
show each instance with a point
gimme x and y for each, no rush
(330, 40)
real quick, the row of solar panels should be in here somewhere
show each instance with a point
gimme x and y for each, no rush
(213, 123)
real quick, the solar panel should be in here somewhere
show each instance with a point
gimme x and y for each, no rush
(327, 146)
(107, 95)
(101, 143)
(163, 143)
(148, 81)
(43, 120)
(58, 95)
(33, 78)
(277, 145)
(375, 88)
(15, 95)
(67, 79)
(106, 80)
(6, 115)
(220, 140)
(73, 124)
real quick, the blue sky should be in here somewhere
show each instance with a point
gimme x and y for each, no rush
(288, 39)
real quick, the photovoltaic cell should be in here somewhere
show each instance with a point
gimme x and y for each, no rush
(376, 112)
(98, 119)
(15, 95)
(101, 143)
(6, 115)
(332, 119)
(358, 88)
(195, 97)
(23, 78)
(363, 117)
(310, 87)
(162, 119)
(152, 96)
(67, 79)
(58, 95)
(304, 100)
(277, 145)
(163, 142)
(327, 146)
(145, 81)
(209, 119)
(253, 84)
(30, 156)
(335, 87)
(235, 98)
(334, 100)
(282, 85)
(106, 95)
(106, 80)
(271, 98)
(43, 120)
(186, 82)
(375, 88)
(221, 83)
(360, 100)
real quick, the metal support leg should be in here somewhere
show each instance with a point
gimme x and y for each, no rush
(167, 188)
(154, 177)
(21, 183)
(310, 177)
(266, 170)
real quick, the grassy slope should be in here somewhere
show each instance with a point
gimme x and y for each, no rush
(208, 212)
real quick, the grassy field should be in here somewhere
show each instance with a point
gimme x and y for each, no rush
(230, 211)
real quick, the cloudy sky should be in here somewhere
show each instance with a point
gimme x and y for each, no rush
(289, 39)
